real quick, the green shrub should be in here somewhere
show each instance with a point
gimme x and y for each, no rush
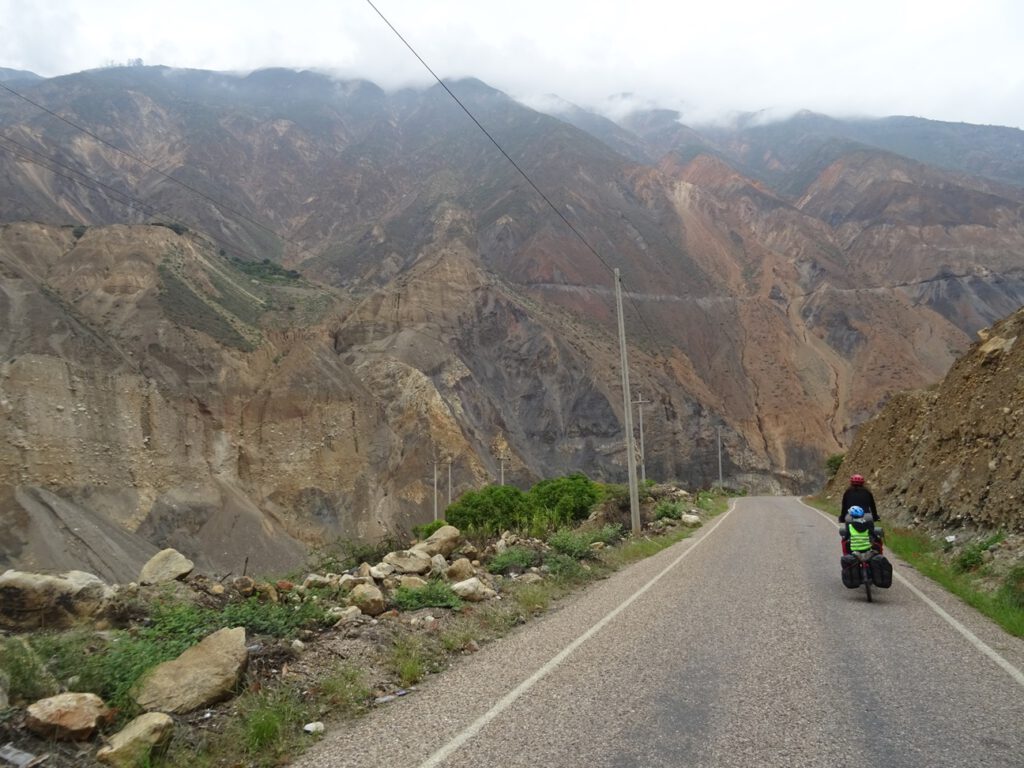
(564, 568)
(514, 559)
(972, 556)
(436, 594)
(276, 619)
(425, 531)
(833, 462)
(609, 533)
(1012, 590)
(27, 677)
(671, 510)
(617, 495)
(566, 499)
(575, 544)
(491, 510)
(268, 720)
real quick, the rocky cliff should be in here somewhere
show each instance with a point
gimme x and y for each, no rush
(951, 456)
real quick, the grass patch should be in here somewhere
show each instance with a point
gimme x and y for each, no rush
(640, 548)
(461, 632)
(412, 657)
(269, 726)
(532, 598)
(276, 619)
(345, 692)
(27, 677)
(436, 594)
(1005, 606)
(514, 559)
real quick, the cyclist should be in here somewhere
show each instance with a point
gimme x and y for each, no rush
(858, 495)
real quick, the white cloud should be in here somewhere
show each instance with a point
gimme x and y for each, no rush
(939, 59)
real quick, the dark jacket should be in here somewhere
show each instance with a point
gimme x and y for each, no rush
(858, 496)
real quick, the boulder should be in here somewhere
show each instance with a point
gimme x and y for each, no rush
(204, 674)
(348, 582)
(34, 600)
(368, 599)
(412, 582)
(67, 716)
(132, 745)
(443, 541)
(438, 566)
(244, 585)
(460, 570)
(473, 590)
(318, 581)
(166, 565)
(345, 615)
(381, 571)
(530, 578)
(690, 521)
(408, 561)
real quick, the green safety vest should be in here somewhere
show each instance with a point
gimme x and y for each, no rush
(860, 541)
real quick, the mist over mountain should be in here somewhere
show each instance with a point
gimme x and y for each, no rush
(359, 285)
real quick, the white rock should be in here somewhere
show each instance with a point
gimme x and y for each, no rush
(316, 727)
(166, 565)
(473, 590)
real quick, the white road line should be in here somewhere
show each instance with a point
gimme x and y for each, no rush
(510, 698)
(972, 638)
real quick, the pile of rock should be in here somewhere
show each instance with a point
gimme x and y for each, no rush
(212, 670)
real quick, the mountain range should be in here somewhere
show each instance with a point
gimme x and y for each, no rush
(277, 302)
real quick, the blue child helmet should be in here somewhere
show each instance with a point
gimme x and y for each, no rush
(855, 512)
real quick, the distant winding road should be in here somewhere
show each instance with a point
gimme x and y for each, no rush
(737, 647)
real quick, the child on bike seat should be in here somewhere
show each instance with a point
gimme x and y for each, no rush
(859, 533)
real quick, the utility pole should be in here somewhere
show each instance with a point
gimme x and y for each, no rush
(501, 464)
(720, 458)
(640, 403)
(435, 486)
(449, 481)
(634, 495)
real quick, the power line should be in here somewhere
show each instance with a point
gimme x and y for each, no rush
(493, 140)
(218, 204)
(508, 157)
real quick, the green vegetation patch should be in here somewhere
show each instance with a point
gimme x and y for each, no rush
(516, 559)
(267, 271)
(436, 594)
(186, 308)
(548, 506)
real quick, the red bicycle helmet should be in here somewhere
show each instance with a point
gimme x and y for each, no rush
(857, 480)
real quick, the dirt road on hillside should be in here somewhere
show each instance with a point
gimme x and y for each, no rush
(738, 647)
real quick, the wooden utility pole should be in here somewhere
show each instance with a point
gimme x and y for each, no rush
(640, 403)
(720, 485)
(634, 495)
(435, 486)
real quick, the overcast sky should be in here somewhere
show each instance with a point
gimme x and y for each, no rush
(959, 61)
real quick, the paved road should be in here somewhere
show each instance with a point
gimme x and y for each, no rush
(746, 651)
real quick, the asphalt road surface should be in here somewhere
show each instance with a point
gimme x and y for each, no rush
(737, 647)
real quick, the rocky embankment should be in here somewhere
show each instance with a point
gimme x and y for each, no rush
(952, 456)
(354, 616)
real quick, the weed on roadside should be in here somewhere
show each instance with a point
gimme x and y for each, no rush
(436, 594)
